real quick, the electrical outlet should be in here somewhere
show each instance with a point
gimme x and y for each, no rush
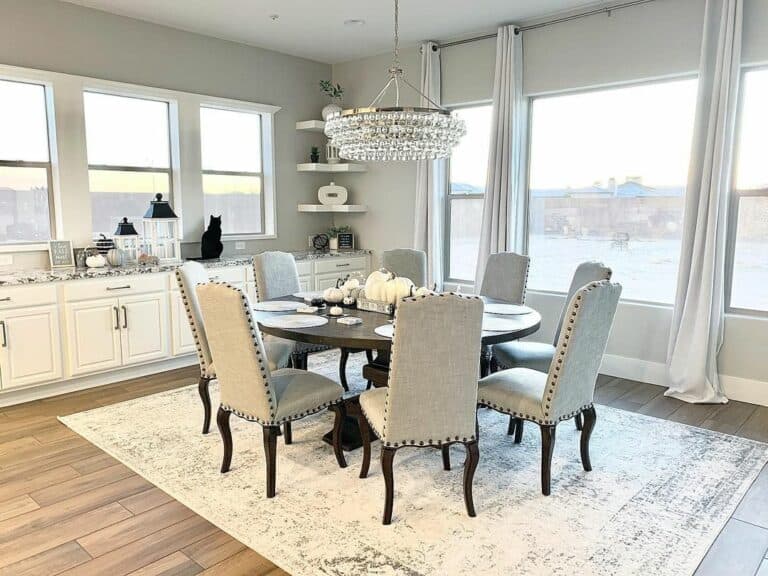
(239, 245)
(6, 259)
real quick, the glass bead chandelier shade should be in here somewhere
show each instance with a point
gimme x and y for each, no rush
(376, 134)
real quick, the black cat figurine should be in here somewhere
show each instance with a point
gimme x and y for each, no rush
(210, 245)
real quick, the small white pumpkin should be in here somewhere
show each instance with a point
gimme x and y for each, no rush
(95, 261)
(334, 294)
(422, 291)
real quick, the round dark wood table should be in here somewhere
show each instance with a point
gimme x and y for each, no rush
(363, 337)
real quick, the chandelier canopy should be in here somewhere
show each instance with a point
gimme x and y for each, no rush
(381, 134)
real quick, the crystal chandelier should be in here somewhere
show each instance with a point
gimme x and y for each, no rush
(396, 133)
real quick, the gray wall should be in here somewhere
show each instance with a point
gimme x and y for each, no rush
(654, 40)
(61, 37)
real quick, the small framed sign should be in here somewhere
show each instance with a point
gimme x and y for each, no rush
(346, 241)
(61, 254)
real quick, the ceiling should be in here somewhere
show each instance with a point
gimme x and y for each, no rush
(315, 29)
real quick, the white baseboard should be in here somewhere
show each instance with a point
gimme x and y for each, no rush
(736, 388)
(11, 397)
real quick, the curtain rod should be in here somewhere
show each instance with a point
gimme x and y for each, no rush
(605, 10)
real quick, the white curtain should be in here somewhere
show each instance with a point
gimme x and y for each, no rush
(697, 323)
(430, 176)
(504, 209)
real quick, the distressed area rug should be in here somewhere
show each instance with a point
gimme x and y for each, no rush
(659, 493)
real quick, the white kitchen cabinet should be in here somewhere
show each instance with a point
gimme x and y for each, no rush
(93, 335)
(323, 281)
(143, 328)
(306, 283)
(182, 340)
(30, 346)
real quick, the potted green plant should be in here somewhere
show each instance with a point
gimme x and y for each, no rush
(314, 154)
(333, 238)
(336, 93)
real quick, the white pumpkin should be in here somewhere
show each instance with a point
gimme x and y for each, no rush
(333, 295)
(396, 289)
(351, 284)
(374, 284)
(423, 291)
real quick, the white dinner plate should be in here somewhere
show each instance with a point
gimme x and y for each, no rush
(507, 309)
(308, 295)
(387, 331)
(277, 306)
(294, 321)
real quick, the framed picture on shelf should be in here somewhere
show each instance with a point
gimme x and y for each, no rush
(61, 254)
(346, 241)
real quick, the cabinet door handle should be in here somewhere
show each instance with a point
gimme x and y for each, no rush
(342, 265)
(5, 335)
(117, 317)
(125, 317)
(126, 287)
(6, 299)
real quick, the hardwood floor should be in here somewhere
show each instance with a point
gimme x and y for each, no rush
(67, 508)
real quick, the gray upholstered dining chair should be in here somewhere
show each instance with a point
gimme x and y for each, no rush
(567, 389)
(431, 396)
(249, 388)
(538, 355)
(276, 276)
(408, 263)
(505, 277)
(188, 276)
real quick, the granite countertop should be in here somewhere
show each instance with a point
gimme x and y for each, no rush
(40, 276)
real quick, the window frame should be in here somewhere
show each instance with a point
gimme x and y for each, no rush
(448, 204)
(583, 90)
(734, 200)
(50, 166)
(244, 108)
(141, 93)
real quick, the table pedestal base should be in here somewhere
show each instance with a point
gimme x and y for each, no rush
(351, 438)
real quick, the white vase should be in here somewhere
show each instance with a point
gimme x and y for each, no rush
(330, 109)
(333, 243)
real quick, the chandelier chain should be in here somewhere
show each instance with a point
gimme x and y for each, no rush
(396, 61)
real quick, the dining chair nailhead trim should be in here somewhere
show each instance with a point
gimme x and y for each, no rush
(205, 369)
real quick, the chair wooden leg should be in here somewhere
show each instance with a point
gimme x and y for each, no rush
(387, 457)
(511, 426)
(519, 425)
(547, 449)
(340, 413)
(343, 368)
(470, 465)
(369, 385)
(365, 435)
(299, 360)
(288, 433)
(205, 396)
(493, 365)
(222, 421)
(270, 451)
(590, 417)
(446, 457)
(369, 356)
(579, 424)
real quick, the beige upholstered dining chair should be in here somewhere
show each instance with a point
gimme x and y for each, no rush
(538, 355)
(431, 396)
(188, 276)
(505, 277)
(249, 388)
(407, 263)
(276, 276)
(568, 387)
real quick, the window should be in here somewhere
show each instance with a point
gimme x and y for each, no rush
(233, 180)
(25, 164)
(464, 206)
(129, 158)
(749, 199)
(607, 177)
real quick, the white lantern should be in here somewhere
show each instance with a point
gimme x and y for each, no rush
(126, 239)
(160, 231)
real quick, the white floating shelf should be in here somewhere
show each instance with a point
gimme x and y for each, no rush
(321, 167)
(346, 208)
(311, 125)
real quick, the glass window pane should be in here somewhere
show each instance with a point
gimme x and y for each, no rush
(24, 215)
(117, 194)
(751, 162)
(24, 132)
(750, 259)
(607, 180)
(231, 140)
(237, 199)
(123, 131)
(469, 161)
(466, 218)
